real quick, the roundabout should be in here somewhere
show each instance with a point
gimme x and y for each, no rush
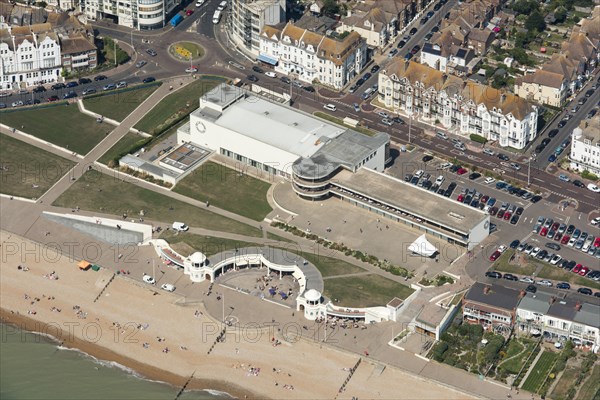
(186, 51)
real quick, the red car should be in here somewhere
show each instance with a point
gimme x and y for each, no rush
(597, 242)
(507, 215)
(460, 198)
(495, 255)
(462, 171)
(565, 239)
(189, 12)
(577, 268)
(544, 232)
(584, 271)
(53, 98)
(555, 226)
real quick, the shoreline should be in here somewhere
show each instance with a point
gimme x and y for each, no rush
(143, 371)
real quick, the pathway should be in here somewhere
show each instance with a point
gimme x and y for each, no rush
(121, 130)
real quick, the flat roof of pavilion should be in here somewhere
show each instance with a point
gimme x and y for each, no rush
(411, 199)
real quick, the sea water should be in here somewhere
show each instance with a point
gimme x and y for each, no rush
(37, 368)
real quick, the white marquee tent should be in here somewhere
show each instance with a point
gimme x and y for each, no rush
(423, 247)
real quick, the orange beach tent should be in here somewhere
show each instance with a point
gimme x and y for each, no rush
(84, 265)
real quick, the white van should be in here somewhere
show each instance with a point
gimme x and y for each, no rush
(216, 17)
(222, 6)
(442, 135)
(180, 226)
(330, 107)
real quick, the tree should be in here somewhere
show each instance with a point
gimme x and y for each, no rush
(525, 6)
(535, 21)
(560, 14)
(330, 8)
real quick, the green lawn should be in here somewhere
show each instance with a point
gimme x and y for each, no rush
(177, 105)
(228, 189)
(340, 121)
(502, 265)
(119, 104)
(186, 244)
(122, 147)
(59, 124)
(28, 171)
(591, 388)
(96, 191)
(516, 354)
(540, 371)
(557, 274)
(364, 291)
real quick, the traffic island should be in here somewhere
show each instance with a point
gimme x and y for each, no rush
(186, 51)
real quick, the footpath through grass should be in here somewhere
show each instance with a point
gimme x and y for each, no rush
(99, 192)
(119, 104)
(60, 124)
(188, 243)
(540, 371)
(177, 105)
(28, 171)
(229, 189)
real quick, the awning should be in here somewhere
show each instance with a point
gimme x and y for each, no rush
(422, 247)
(268, 59)
(84, 264)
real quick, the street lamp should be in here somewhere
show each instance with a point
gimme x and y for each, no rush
(528, 171)
(115, 50)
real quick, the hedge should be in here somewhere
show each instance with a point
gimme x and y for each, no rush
(478, 138)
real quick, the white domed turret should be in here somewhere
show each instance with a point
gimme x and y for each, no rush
(197, 259)
(312, 296)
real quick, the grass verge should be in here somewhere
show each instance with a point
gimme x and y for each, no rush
(122, 147)
(118, 105)
(28, 171)
(503, 264)
(340, 121)
(96, 191)
(177, 105)
(228, 189)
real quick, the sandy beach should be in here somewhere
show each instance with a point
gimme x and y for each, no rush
(162, 337)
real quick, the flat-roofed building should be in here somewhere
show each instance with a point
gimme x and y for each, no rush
(271, 137)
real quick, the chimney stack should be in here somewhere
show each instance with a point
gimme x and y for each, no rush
(486, 290)
(578, 306)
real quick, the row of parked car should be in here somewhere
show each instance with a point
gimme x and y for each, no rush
(422, 179)
(568, 236)
(543, 255)
(506, 211)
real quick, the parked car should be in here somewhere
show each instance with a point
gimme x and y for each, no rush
(110, 86)
(149, 79)
(99, 78)
(88, 91)
(563, 285)
(493, 274)
(584, 290)
(148, 279)
(252, 78)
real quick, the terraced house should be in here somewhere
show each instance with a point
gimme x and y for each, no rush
(309, 56)
(29, 55)
(464, 107)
